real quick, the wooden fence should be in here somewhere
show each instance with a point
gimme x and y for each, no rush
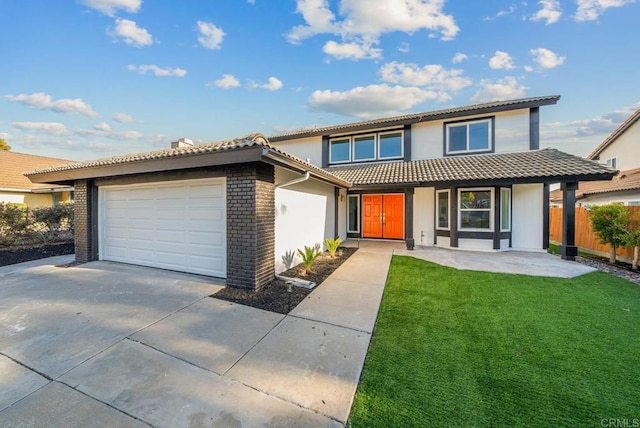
(585, 238)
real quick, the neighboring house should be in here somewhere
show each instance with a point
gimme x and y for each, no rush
(470, 177)
(16, 188)
(620, 150)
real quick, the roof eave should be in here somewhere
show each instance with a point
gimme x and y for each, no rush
(276, 158)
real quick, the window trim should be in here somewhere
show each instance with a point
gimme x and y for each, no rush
(612, 163)
(508, 190)
(353, 147)
(448, 192)
(490, 209)
(379, 134)
(357, 198)
(331, 140)
(491, 136)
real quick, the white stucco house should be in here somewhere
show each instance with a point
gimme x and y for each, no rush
(470, 177)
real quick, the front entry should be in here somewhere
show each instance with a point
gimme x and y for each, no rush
(383, 216)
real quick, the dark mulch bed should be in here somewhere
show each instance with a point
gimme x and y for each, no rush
(274, 296)
(12, 255)
(621, 269)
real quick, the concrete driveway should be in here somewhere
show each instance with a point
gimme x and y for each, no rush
(106, 344)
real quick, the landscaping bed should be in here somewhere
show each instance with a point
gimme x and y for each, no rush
(275, 296)
(13, 255)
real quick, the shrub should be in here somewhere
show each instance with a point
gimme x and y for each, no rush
(609, 222)
(309, 255)
(50, 222)
(332, 246)
(14, 220)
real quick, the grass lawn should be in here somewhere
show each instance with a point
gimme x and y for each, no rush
(470, 348)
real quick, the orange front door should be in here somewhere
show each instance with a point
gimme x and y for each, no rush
(383, 216)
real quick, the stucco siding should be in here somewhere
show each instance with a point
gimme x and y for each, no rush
(626, 149)
(626, 197)
(527, 216)
(305, 215)
(423, 216)
(304, 148)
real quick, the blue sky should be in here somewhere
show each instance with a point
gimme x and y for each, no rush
(93, 78)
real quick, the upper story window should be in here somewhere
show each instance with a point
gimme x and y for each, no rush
(611, 163)
(474, 136)
(384, 145)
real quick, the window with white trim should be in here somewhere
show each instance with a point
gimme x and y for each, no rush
(353, 213)
(611, 163)
(340, 150)
(364, 147)
(474, 136)
(475, 209)
(383, 145)
(442, 209)
(505, 209)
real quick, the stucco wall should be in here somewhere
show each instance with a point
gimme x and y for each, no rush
(629, 196)
(304, 148)
(423, 215)
(626, 149)
(305, 215)
(15, 198)
(526, 217)
(512, 134)
(38, 200)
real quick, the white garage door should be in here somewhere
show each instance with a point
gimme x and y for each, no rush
(177, 225)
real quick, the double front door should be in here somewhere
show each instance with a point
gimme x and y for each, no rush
(383, 216)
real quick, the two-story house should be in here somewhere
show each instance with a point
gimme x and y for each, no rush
(469, 177)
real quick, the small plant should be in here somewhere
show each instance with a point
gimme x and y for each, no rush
(287, 259)
(309, 255)
(332, 246)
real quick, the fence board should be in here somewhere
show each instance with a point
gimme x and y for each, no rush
(585, 238)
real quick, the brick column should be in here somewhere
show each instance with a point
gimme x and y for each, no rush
(85, 221)
(250, 225)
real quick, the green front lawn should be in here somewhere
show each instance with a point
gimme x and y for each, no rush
(466, 348)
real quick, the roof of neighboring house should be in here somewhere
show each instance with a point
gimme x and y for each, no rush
(14, 165)
(546, 165)
(625, 180)
(250, 148)
(615, 134)
(486, 108)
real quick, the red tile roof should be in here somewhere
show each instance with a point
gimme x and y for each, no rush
(13, 165)
(625, 180)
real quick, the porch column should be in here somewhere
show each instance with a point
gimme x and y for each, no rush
(408, 218)
(568, 249)
(85, 221)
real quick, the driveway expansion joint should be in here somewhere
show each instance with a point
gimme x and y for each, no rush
(47, 377)
(357, 330)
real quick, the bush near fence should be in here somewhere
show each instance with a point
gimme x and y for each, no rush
(585, 238)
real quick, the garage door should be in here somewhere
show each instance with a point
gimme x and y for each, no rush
(177, 225)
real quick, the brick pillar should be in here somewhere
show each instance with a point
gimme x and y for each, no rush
(85, 221)
(250, 225)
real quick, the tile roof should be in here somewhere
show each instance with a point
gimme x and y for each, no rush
(615, 134)
(547, 165)
(625, 180)
(421, 117)
(251, 140)
(13, 166)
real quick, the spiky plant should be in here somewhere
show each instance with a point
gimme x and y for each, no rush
(332, 246)
(309, 255)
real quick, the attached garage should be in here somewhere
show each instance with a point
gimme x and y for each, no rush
(178, 225)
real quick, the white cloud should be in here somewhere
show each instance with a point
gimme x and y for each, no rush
(353, 51)
(512, 8)
(501, 89)
(43, 101)
(226, 81)
(369, 101)
(109, 7)
(123, 118)
(53, 128)
(550, 12)
(590, 10)
(404, 47)
(210, 36)
(364, 21)
(545, 58)
(501, 61)
(131, 34)
(102, 127)
(431, 76)
(459, 57)
(273, 84)
(157, 71)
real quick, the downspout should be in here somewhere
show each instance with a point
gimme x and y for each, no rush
(306, 176)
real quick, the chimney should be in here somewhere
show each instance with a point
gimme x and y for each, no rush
(182, 142)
